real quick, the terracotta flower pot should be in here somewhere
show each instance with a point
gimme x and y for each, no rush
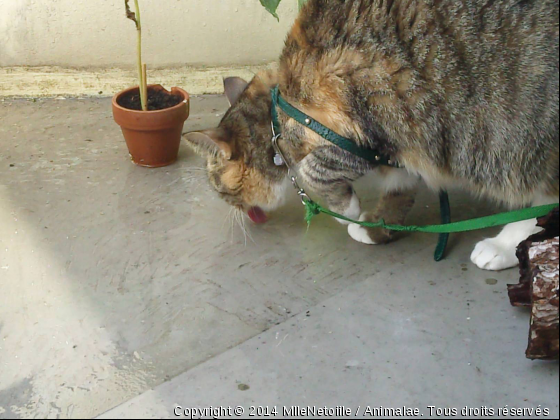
(153, 137)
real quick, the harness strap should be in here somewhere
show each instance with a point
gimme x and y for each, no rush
(371, 155)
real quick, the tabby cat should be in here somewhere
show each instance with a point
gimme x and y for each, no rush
(460, 93)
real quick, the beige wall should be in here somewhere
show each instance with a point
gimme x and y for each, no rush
(95, 33)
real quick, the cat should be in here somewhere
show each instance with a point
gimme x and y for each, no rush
(460, 93)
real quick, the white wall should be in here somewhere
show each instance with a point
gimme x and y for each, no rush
(95, 33)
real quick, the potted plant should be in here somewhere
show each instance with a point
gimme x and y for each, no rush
(151, 117)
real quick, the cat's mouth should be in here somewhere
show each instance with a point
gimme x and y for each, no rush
(257, 215)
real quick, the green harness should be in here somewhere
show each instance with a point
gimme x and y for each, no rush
(378, 159)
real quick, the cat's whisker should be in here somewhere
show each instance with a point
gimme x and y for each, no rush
(190, 179)
(243, 227)
(234, 222)
(247, 230)
(232, 226)
(196, 168)
(227, 218)
(239, 220)
(242, 222)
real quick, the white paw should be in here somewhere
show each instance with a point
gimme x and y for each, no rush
(360, 234)
(494, 255)
(352, 212)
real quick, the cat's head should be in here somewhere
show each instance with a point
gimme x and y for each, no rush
(239, 151)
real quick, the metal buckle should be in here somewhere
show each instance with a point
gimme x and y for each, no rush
(291, 173)
(305, 199)
(300, 191)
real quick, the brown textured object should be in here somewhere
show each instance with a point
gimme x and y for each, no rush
(153, 137)
(538, 289)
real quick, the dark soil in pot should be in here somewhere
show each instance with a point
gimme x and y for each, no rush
(157, 100)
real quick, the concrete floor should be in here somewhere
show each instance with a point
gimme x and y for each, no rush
(127, 287)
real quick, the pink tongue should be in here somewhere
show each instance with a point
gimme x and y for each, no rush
(257, 215)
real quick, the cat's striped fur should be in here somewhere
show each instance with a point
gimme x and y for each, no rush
(462, 93)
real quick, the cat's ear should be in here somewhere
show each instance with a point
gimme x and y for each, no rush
(234, 87)
(210, 142)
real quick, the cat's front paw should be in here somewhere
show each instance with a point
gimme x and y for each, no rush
(353, 211)
(493, 255)
(369, 236)
(360, 234)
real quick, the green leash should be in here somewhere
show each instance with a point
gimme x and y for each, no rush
(445, 211)
(313, 209)
(377, 158)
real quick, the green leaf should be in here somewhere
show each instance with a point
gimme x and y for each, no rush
(272, 6)
(301, 3)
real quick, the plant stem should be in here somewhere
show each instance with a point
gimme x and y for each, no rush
(142, 86)
(145, 83)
